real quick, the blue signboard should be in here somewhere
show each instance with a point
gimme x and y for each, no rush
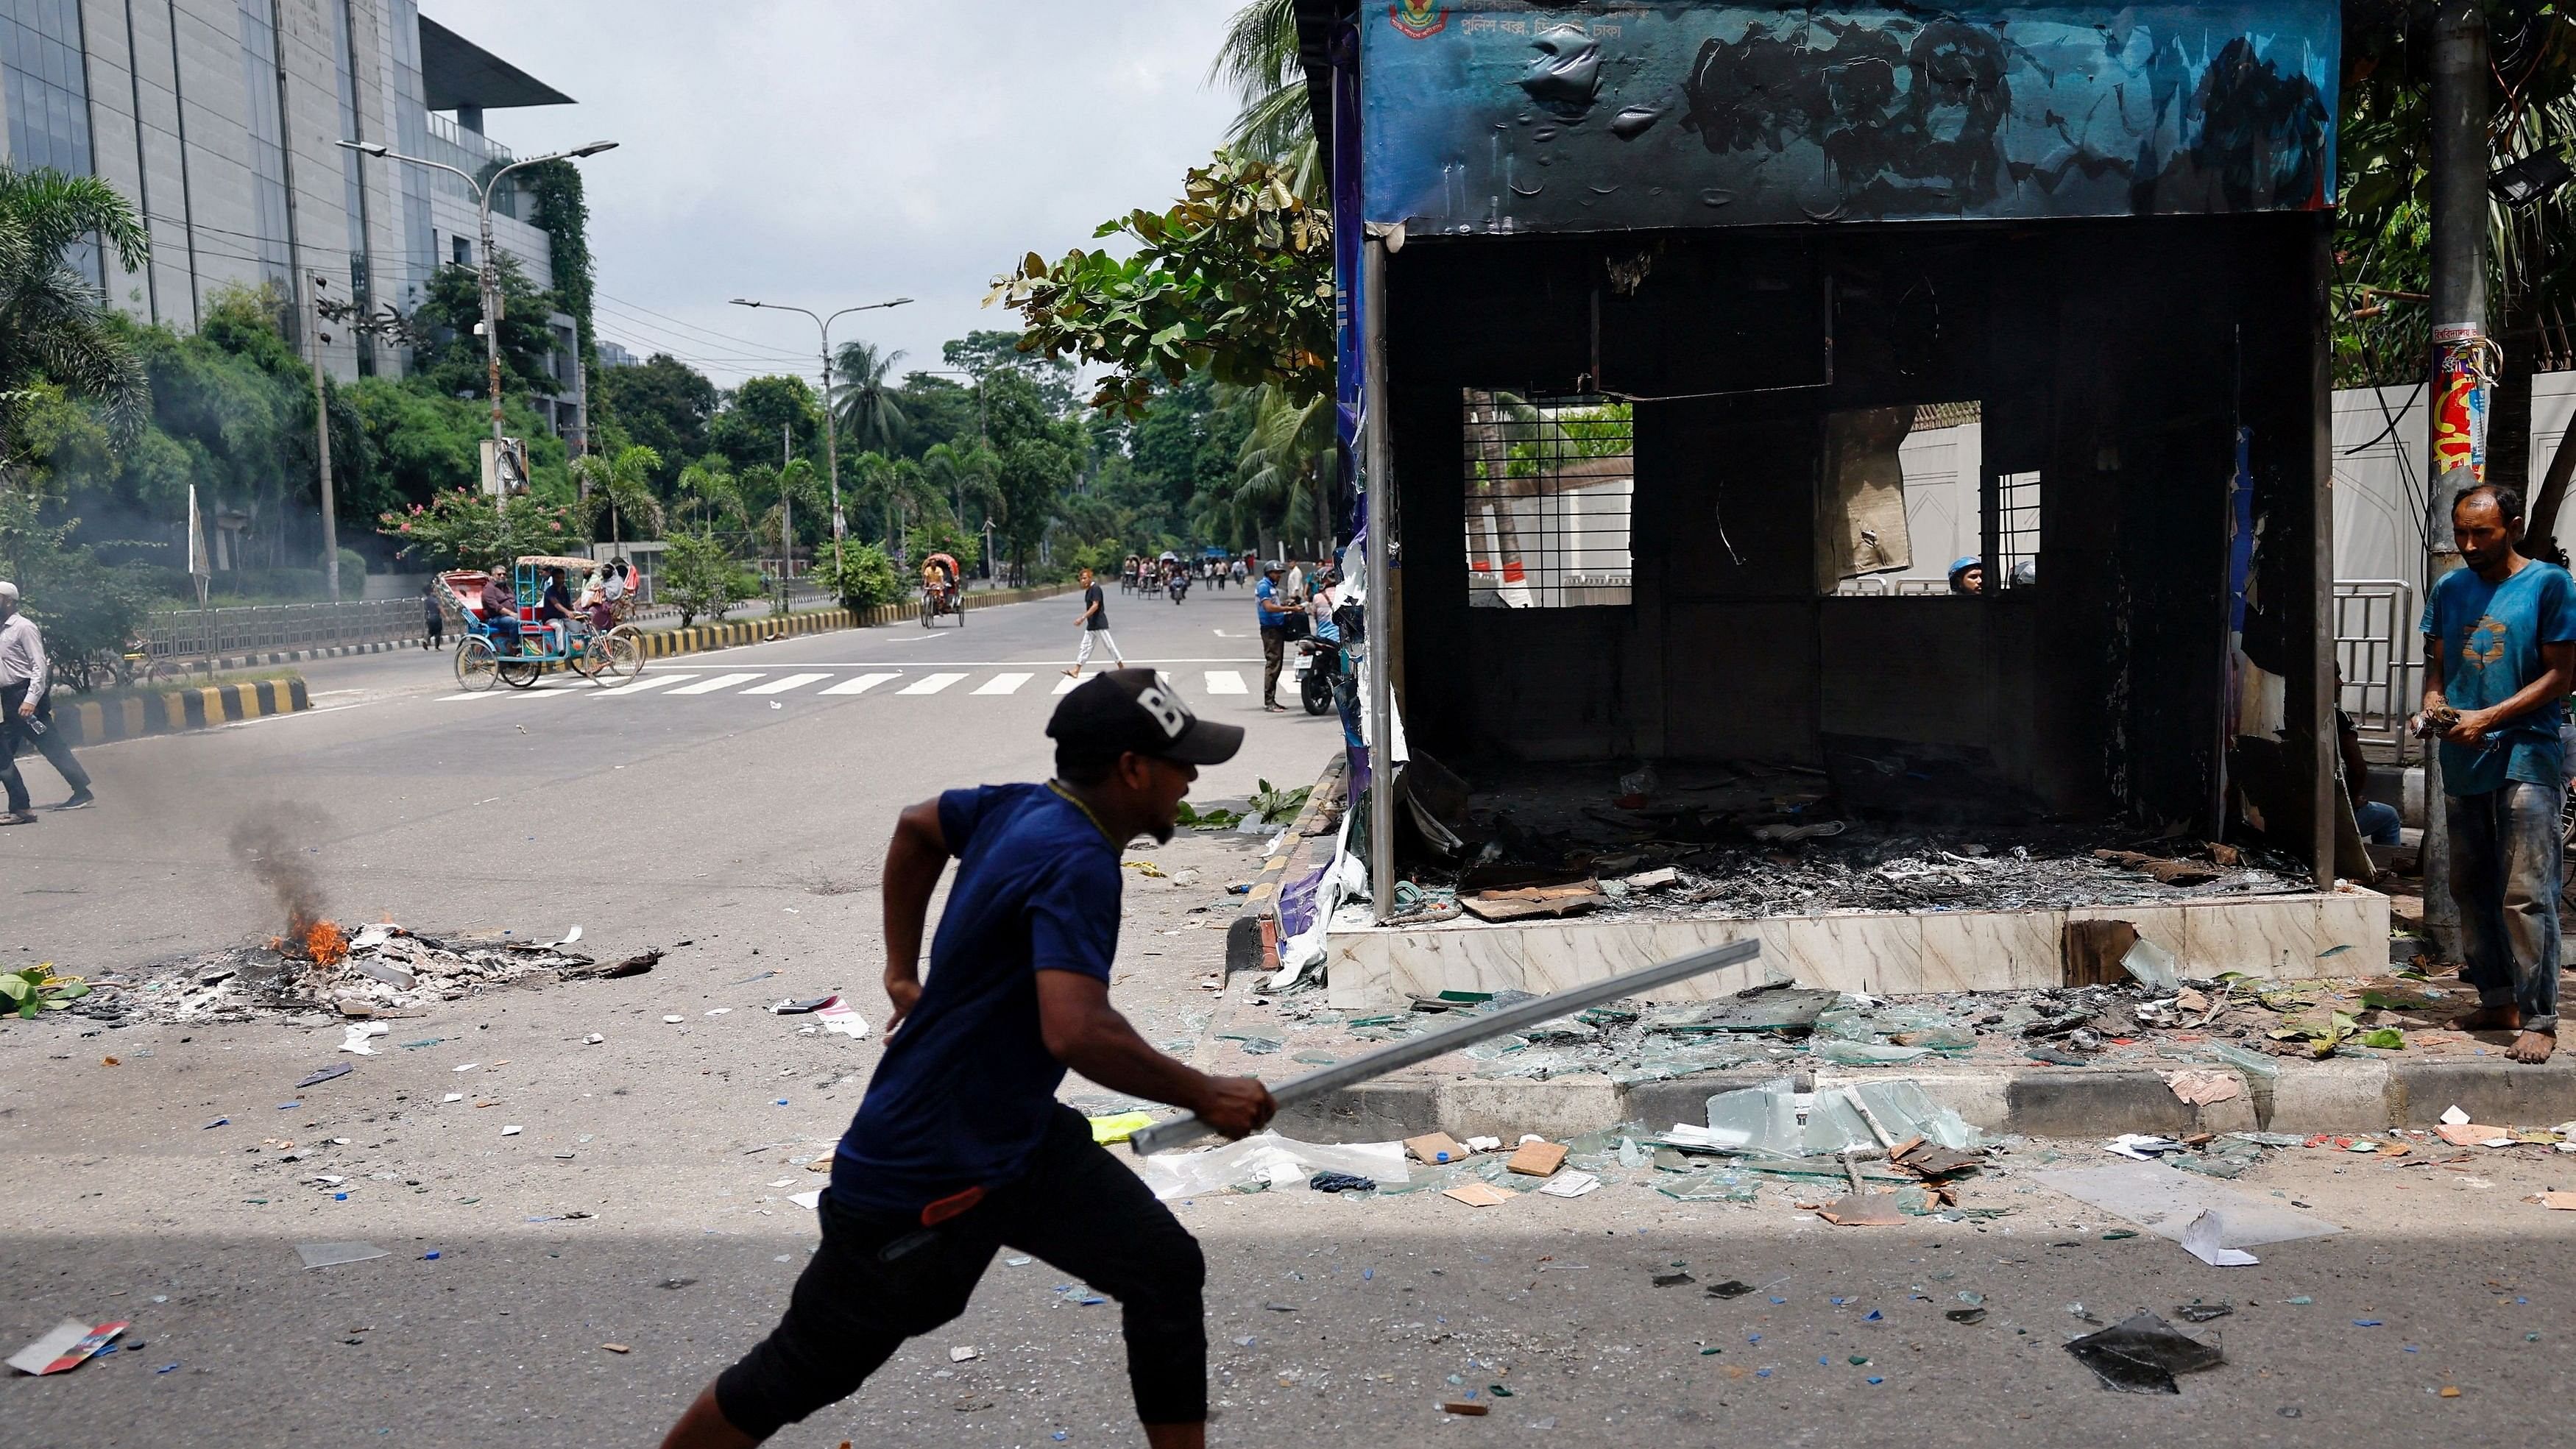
(1495, 116)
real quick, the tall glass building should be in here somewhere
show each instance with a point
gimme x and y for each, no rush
(218, 120)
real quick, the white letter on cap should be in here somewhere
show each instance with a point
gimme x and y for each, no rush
(1167, 714)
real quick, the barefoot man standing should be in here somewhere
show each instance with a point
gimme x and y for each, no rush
(960, 1146)
(2499, 657)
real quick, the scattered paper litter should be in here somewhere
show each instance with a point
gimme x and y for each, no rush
(841, 1018)
(808, 1200)
(354, 1037)
(329, 1255)
(2560, 1199)
(68, 1346)
(2453, 1116)
(1570, 1184)
(512, 1131)
(2204, 1238)
(2473, 1134)
(1478, 1194)
(453, 1097)
(1182, 1174)
(2200, 1088)
(674, 1019)
(568, 938)
(2140, 1146)
(464, 1066)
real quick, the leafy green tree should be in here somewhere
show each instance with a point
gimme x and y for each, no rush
(86, 610)
(52, 322)
(449, 356)
(1236, 279)
(663, 404)
(461, 529)
(937, 411)
(746, 430)
(863, 579)
(1259, 59)
(867, 409)
(699, 576)
(711, 489)
(617, 498)
(943, 534)
(981, 354)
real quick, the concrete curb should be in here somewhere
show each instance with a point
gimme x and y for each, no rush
(2335, 1096)
(848, 619)
(172, 711)
(1252, 938)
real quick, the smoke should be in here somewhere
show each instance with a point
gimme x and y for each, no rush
(265, 847)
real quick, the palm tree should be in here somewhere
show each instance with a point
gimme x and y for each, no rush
(863, 402)
(52, 320)
(620, 489)
(1287, 466)
(711, 487)
(1258, 58)
(965, 476)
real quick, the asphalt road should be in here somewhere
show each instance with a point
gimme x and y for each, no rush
(754, 833)
(723, 790)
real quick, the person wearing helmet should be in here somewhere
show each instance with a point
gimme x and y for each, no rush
(1968, 576)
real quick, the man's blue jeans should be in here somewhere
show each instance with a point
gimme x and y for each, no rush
(2378, 821)
(2504, 876)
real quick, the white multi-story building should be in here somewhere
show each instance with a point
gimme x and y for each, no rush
(219, 120)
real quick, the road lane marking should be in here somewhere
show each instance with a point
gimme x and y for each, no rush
(1067, 685)
(710, 686)
(1225, 681)
(931, 685)
(860, 685)
(1002, 684)
(650, 681)
(781, 686)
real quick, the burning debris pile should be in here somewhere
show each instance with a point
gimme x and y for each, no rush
(315, 963)
(381, 969)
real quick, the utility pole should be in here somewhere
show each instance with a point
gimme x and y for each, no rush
(2462, 362)
(489, 274)
(786, 516)
(322, 446)
(831, 447)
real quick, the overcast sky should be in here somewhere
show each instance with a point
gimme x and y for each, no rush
(830, 152)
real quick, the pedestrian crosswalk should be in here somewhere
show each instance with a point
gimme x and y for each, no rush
(843, 683)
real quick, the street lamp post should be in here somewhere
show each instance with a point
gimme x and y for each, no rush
(489, 271)
(831, 445)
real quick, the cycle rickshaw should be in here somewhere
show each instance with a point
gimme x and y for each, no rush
(607, 656)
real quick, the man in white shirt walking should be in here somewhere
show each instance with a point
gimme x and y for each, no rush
(26, 713)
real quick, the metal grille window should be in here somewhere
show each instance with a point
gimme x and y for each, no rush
(1549, 483)
(2017, 509)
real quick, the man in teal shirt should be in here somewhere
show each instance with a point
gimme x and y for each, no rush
(2500, 654)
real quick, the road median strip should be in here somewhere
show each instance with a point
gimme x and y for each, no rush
(127, 716)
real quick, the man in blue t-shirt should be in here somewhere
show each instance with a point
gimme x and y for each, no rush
(2499, 657)
(960, 1146)
(1270, 605)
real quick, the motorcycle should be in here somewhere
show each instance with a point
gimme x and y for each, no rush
(1178, 588)
(1319, 673)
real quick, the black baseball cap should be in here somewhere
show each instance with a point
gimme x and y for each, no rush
(1128, 711)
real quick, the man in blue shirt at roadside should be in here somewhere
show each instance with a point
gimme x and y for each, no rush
(1270, 606)
(960, 1146)
(2499, 657)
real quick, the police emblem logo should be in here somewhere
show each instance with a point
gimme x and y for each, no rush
(1420, 19)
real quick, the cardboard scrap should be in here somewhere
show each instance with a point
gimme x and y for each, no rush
(68, 1346)
(1872, 1210)
(2473, 1134)
(1478, 1194)
(1468, 1407)
(1436, 1147)
(1528, 901)
(2200, 1088)
(1538, 1159)
(1570, 1184)
(2560, 1199)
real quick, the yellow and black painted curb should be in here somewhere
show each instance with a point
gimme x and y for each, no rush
(170, 711)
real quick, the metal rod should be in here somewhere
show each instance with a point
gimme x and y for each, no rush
(1163, 1136)
(1378, 473)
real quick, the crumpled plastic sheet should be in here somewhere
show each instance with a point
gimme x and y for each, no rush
(1270, 1159)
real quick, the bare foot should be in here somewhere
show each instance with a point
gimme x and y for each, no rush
(1073, 674)
(2490, 1018)
(2533, 1047)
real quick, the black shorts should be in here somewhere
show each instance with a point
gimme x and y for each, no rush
(880, 1278)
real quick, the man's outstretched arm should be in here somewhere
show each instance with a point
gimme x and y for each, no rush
(1086, 1033)
(914, 859)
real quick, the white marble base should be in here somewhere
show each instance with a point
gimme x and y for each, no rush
(2270, 937)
